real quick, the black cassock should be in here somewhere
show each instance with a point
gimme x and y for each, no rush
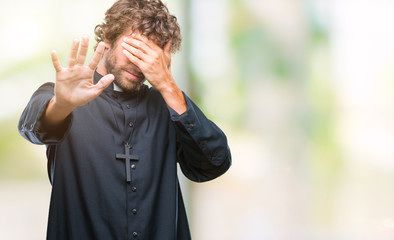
(99, 191)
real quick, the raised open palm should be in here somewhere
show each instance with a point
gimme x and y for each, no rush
(74, 84)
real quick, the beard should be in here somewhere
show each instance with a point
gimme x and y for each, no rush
(121, 73)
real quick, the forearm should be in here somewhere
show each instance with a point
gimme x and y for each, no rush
(55, 113)
(204, 153)
(32, 125)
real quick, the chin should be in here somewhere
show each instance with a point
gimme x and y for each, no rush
(129, 85)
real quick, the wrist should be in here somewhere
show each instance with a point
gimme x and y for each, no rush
(165, 84)
(56, 112)
(174, 98)
(61, 106)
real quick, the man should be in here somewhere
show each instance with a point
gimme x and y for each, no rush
(112, 142)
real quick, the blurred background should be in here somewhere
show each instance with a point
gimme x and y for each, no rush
(302, 88)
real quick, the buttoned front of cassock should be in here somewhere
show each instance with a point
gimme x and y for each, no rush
(91, 197)
(127, 113)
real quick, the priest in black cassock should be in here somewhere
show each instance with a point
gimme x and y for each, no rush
(113, 143)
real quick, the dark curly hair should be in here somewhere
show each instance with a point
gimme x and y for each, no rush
(150, 17)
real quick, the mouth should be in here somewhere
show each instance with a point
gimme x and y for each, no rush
(133, 76)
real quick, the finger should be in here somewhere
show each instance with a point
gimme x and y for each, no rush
(73, 53)
(103, 83)
(83, 50)
(139, 44)
(97, 56)
(135, 51)
(55, 61)
(150, 43)
(135, 60)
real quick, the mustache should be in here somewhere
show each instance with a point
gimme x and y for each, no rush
(134, 72)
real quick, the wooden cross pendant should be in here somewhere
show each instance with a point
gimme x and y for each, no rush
(127, 157)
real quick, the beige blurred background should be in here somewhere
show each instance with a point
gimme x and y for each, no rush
(302, 88)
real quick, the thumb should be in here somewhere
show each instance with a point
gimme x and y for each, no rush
(167, 48)
(167, 53)
(104, 82)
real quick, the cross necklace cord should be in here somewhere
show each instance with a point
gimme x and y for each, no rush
(127, 157)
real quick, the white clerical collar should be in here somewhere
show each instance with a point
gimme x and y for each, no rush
(117, 88)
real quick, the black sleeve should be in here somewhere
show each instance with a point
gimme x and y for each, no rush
(203, 152)
(31, 125)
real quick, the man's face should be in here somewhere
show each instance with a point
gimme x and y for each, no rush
(127, 75)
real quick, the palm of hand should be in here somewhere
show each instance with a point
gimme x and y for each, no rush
(74, 85)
